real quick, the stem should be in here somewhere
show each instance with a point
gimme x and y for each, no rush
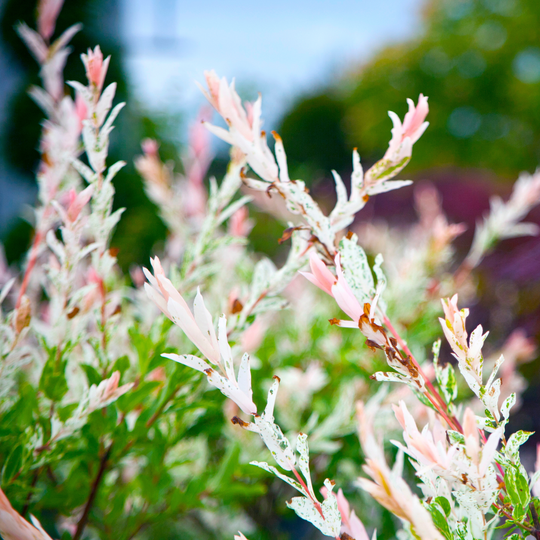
(440, 404)
(534, 514)
(449, 420)
(315, 501)
(93, 492)
(442, 408)
(408, 352)
(150, 421)
(137, 530)
(29, 496)
(156, 415)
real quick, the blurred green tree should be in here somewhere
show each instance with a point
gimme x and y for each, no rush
(140, 227)
(311, 117)
(477, 60)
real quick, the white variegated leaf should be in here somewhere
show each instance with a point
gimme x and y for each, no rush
(85, 171)
(356, 269)
(244, 376)
(491, 398)
(389, 186)
(303, 461)
(112, 117)
(332, 515)
(511, 450)
(508, 403)
(357, 177)
(262, 276)
(56, 246)
(496, 367)
(276, 442)
(291, 481)
(389, 376)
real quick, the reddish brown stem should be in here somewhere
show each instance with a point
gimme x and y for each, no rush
(484, 440)
(30, 493)
(536, 521)
(160, 409)
(93, 492)
(315, 501)
(440, 404)
(450, 421)
(303, 484)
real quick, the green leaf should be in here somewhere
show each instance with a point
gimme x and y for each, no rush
(13, 464)
(444, 504)
(121, 364)
(220, 480)
(455, 437)
(517, 487)
(143, 345)
(65, 412)
(440, 521)
(448, 383)
(508, 403)
(92, 375)
(423, 399)
(53, 380)
(133, 399)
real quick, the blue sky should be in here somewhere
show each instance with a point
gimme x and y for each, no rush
(280, 48)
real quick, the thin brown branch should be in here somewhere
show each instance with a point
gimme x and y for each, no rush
(157, 414)
(439, 403)
(534, 514)
(93, 492)
(30, 492)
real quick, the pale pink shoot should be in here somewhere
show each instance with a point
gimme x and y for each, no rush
(350, 523)
(536, 486)
(426, 447)
(199, 152)
(96, 67)
(81, 110)
(411, 130)
(472, 443)
(77, 201)
(150, 147)
(107, 391)
(150, 166)
(239, 224)
(48, 11)
(469, 355)
(198, 327)
(335, 286)
(414, 123)
(344, 296)
(320, 275)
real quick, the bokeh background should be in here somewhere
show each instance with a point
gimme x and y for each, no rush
(329, 72)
